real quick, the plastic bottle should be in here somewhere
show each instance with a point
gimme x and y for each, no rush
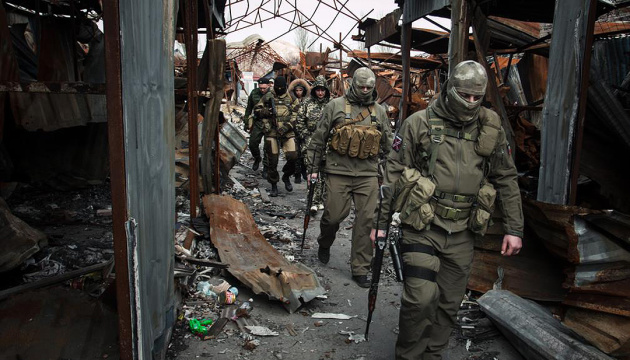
(244, 309)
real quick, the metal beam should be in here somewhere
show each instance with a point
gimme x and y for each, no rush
(116, 138)
(458, 41)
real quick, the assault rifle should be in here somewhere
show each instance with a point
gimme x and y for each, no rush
(309, 201)
(381, 242)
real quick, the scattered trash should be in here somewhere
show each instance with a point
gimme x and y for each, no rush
(352, 337)
(199, 327)
(261, 330)
(331, 316)
(251, 344)
(319, 323)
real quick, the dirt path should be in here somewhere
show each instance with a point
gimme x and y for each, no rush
(299, 335)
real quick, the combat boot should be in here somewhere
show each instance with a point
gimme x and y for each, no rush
(256, 163)
(274, 190)
(287, 183)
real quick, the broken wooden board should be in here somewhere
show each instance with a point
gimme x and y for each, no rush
(18, 241)
(252, 259)
(533, 331)
(610, 333)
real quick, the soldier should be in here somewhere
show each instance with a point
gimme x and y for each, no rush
(353, 133)
(278, 118)
(449, 164)
(298, 89)
(307, 119)
(254, 125)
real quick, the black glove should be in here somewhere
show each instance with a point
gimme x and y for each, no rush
(264, 113)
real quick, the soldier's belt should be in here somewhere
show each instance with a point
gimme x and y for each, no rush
(450, 213)
(455, 197)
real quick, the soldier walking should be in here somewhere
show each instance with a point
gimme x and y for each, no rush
(307, 119)
(450, 162)
(278, 119)
(299, 89)
(254, 125)
(354, 133)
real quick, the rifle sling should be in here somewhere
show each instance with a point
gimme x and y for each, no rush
(360, 117)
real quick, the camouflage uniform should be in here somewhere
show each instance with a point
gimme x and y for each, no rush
(255, 127)
(279, 133)
(300, 166)
(307, 118)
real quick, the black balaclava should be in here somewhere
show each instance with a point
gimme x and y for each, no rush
(280, 85)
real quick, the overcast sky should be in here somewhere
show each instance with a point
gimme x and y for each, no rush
(323, 17)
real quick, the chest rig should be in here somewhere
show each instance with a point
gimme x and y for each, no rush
(360, 141)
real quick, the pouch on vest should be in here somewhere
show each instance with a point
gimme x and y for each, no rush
(417, 211)
(356, 138)
(371, 143)
(403, 186)
(482, 211)
(341, 139)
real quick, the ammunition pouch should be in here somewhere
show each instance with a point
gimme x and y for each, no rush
(481, 212)
(417, 210)
(360, 141)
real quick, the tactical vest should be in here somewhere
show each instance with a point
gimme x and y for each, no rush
(476, 208)
(360, 141)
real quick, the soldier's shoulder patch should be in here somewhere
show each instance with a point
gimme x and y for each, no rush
(397, 143)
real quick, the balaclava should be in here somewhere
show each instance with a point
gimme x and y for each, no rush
(363, 77)
(280, 85)
(468, 77)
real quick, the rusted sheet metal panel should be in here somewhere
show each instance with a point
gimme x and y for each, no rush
(53, 87)
(415, 62)
(252, 259)
(609, 333)
(316, 58)
(533, 274)
(608, 279)
(618, 305)
(533, 331)
(413, 10)
(383, 28)
(566, 233)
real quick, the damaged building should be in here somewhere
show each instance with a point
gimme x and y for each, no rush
(107, 222)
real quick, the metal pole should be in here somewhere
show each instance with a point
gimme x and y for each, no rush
(405, 54)
(193, 137)
(116, 138)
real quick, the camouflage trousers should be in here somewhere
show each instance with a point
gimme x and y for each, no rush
(320, 187)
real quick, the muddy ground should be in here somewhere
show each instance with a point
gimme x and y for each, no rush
(299, 336)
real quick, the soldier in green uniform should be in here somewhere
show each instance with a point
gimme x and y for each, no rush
(354, 133)
(450, 162)
(253, 125)
(307, 119)
(276, 109)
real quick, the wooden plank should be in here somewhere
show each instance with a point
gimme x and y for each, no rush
(215, 50)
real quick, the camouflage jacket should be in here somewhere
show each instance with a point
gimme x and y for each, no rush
(311, 110)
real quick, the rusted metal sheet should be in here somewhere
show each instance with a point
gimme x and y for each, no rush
(533, 331)
(383, 28)
(618, 305)
(532, 274)
(414, 10)
(252, 260)
(609, 333)
(57, 323)
(566, 233)
(607, 279)
(416, 62)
